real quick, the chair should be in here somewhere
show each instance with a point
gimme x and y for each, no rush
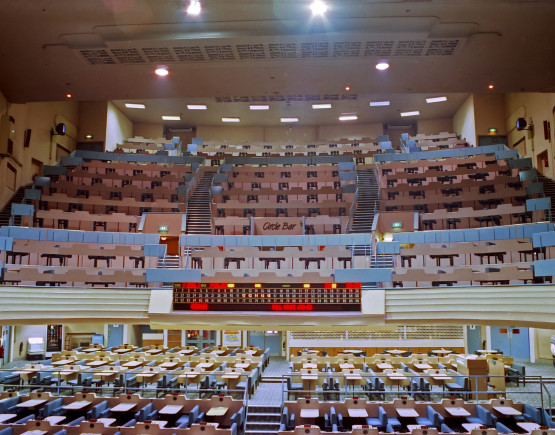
(483, 417)
(293, 386)
(433, 418)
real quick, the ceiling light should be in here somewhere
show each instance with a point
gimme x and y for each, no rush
(379, 103)
(382, 66)
(347, 88)
(161, 71)
(259, 107)
(491, 86)
(318, 7)
(231, 120)
(68, 95)
(321, 106)
(436, 99)
(171, 118)
(194, 7)
(289, 119)
(414, 113)
(135, 106)
(348, 117)
(196, 106)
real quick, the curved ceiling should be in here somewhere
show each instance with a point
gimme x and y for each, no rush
(276, 52)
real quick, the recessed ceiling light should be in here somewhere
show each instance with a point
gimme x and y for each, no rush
(414, 113)
(348, 117)
(321, 106)
(161, 71)
(135, 106)
(289, 119)
(379, 103)
(259, 107)
(171, 118)
(436, 99)
(382, 66)
(318, 7)
(194, 7)
(68, 95)
(231, 120)
(347, 88)
(491, 86)
(196, 106)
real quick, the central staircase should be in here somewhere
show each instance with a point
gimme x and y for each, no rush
(199, 211)
(368, 201)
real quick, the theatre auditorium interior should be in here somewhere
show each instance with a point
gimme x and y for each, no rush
(277, 217)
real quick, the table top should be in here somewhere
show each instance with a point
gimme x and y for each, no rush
(507, 410)
(79, 404)
(6, 417)
(55, 419)
(35, 432)
(97, 363)
(441, 351)
(169, 365)
(528, 426)
(384, 366)
(442, 378)
(315, 366)
(309, 377)
(457, 411)
(423, 366)
(31, 403)
(124, 407)
(246, 366)
(231, 375)
(309, 412)
(217, 411)
(160, 423)
(62, 362)
(395, 351)
(106, 421)
(486, 351)
(357, 412)
(469, 427)
(205, 365)
(132, 364)
(342, 366)
(407, 412)
(170, 409)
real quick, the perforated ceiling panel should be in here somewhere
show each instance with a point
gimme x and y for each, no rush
(177, 52)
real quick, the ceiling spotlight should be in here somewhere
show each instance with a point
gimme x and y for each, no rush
(134, 106)
(348, 118)
(491, 86)
(414, 113)
(436, 99)
(382, 66)
(194, 7)
(321, 106)
(318, 7)
(347, 88)
(196, 106)
(68, 95)
(161, 71)
(259, 107)
(379, 103)
(171, 118)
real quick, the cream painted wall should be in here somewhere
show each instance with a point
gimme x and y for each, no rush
(21, 334)
(538, 108)
(40, 118)
(434, 126)
(489, 112)
(92, 120)
(230, 135)
(543, 343)
(293, 134)
(464, 123)
(148, 131)
(335, 132)
(118, 127)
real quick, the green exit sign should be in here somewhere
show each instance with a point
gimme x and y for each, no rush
(493, 130)
(163, 228)
(397, 225)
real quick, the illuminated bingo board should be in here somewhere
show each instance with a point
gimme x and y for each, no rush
(266, 297)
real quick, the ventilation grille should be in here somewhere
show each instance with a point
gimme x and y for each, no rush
(419, 332)
(271, 51)
(271, 98)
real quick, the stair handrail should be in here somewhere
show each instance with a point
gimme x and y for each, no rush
(352, 211)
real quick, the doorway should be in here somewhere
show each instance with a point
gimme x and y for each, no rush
(473, 338)
(115, 335)
(172, 243)
(200, 338)
(542, 162)
(265, 340)
(512, 341)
